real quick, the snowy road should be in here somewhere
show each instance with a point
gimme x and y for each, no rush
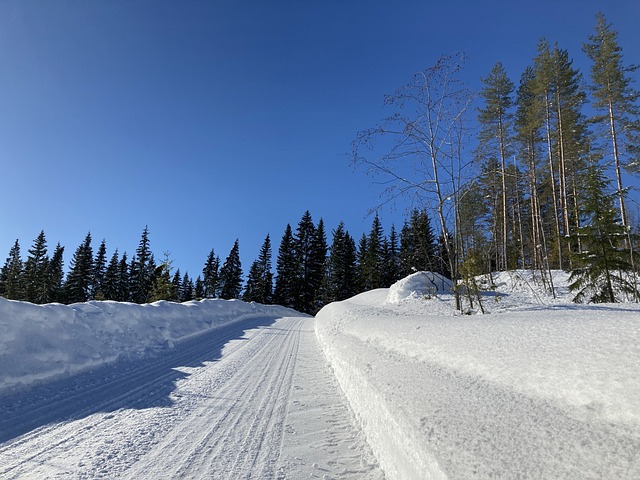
(253, 400)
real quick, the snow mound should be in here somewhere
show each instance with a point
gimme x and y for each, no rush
(419, 285)
(41, 341)
(531, 391)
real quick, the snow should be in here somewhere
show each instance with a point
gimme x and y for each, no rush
(39, 342)
(392, 383)
(539, 388)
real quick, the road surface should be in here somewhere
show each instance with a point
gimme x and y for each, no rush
(249, 401)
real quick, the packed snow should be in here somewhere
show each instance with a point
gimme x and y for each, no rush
(393, 383)
(540, 388)
(40, 342)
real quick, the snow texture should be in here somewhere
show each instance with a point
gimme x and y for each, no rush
(39, 342)
(540, 388)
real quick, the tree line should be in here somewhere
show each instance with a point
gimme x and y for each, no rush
(520, 176)
(309, 272)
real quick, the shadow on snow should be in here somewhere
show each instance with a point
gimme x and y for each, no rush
(131, 383)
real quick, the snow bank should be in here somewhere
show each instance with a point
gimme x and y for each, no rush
(547, 391)
(419, 285)
(41, 341)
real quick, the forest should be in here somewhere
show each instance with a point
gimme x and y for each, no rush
(527, 176)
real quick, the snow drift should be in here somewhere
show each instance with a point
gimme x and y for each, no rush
(42, 341)
(530, 391)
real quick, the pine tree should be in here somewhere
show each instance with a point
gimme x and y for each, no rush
(602, 269)
(417, 244)
(318, 267)
(198, 290)
(111, 278)
(55, 276)
(187, 292)
(259, 287)
(142, 270)
(99, 272)
(495, 142)
(391, 262)
(162, 288)
(35, 269)
(286, 270)
(12, 275)
(177, 285)
(231, 274)
(124, 280)
(616, 99)
(210, 275)
(341, 272)
(310, 266)
(80, 277)
(373, 260)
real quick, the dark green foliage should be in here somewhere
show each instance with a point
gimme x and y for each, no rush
(35, 271)
(341, 272)
(603, 268)
(187, 292)
(286, 270)
(99, 272)
(373, 260)
(417, 244)
(124, 280)
(177, 285)
(80, 278)
(11, 276)
(231, 274)
(391, 259)
(55, 276)
(199, 289)
(142, 270)
(309, 252)
(259, 287)
(210, 276)
(163, 288)
(110, 286)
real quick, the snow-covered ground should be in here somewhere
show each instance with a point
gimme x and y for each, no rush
(536, 388)
(39, 342)
(539, 388)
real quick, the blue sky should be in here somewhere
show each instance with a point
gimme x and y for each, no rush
(210, 121)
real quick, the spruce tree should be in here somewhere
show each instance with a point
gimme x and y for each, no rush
(124, 280)
(187, 292)
(286, 270)
(162, 288)
(417, 244)
(112, 278)
(35, 271)
(210, 275)
(80, 277)
(177, 285)
(309, 271)
(142, 270)
(603, 268)
(55, 276)
(199, 290)
(259, 287)
(12, 275)
(99, 272)
(341, 271)
(391, 266)
(373, 260)
(231, 274)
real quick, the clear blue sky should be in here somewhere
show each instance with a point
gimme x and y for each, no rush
(215, 120)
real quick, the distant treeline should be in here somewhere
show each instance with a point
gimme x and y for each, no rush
(309, 272)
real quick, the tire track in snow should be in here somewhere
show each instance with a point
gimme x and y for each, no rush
(269, 407)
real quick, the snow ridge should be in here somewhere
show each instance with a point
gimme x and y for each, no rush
(39, 342)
